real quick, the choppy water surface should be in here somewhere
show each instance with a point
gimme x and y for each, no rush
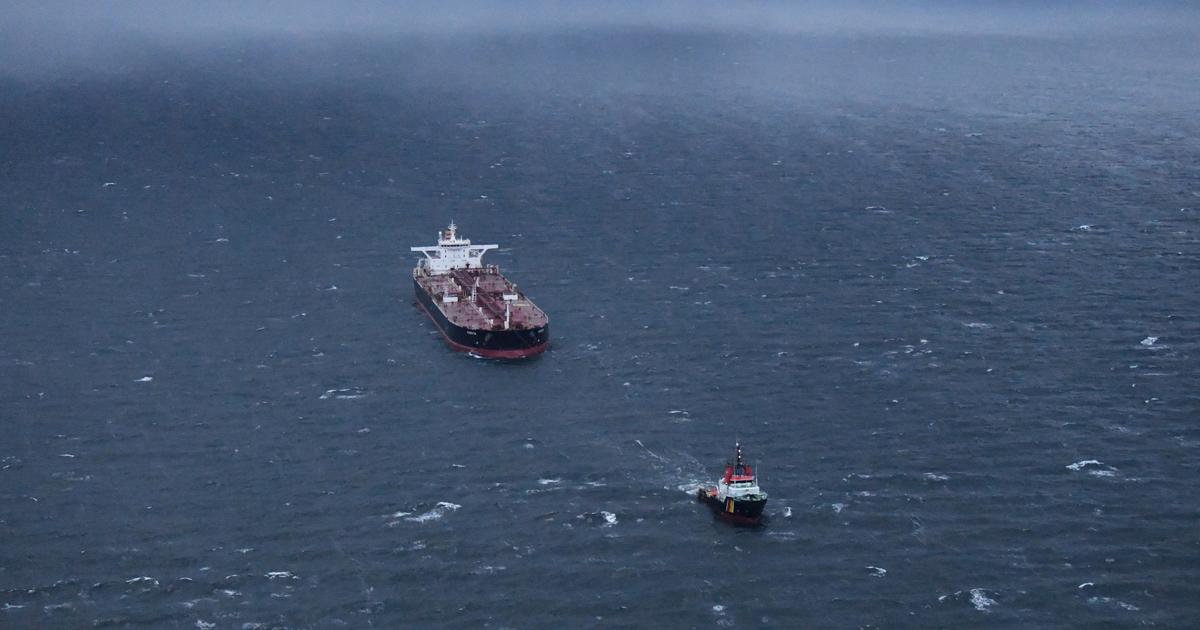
(944, 289)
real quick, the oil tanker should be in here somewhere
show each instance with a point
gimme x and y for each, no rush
(473, 305)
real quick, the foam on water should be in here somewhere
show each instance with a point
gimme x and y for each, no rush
(440, 510)
(345, 393)
(980, 600)
(1109, 601)
(1093, 467)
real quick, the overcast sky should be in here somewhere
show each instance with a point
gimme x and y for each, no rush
(73, 18)
(38, 37)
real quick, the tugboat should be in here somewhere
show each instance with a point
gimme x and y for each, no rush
(473, 305)
(737, 496)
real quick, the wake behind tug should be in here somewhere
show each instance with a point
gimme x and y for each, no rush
(737, 497)
(473, 305)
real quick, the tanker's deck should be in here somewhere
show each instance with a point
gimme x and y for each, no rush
(486, 312)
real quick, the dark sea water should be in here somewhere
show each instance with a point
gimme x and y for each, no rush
(944, 289)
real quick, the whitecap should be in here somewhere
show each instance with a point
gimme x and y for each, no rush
(144, 379)
(1149, 341)
(610, 519)
(440, 510)
(838, 507)
(718, 608)
(977, 325)
(546, 482)
(1094, 467)
(280, 575)
(1086, 584)
(1111, 601)
(204, 625)
(142, 579)
(980, 600)
(935, 477)
(344, 393)
(877, 571)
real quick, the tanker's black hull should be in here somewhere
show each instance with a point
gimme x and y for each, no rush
(744, 512)
(492, 344)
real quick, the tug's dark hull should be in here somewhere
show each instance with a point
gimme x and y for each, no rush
(491, 344)
(741, 512)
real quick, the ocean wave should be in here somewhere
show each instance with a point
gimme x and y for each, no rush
(280, 575)
(344, 393)
(440, 510)
(603, 518)
(1093, 467)
(1109, 601)
(980, 600)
